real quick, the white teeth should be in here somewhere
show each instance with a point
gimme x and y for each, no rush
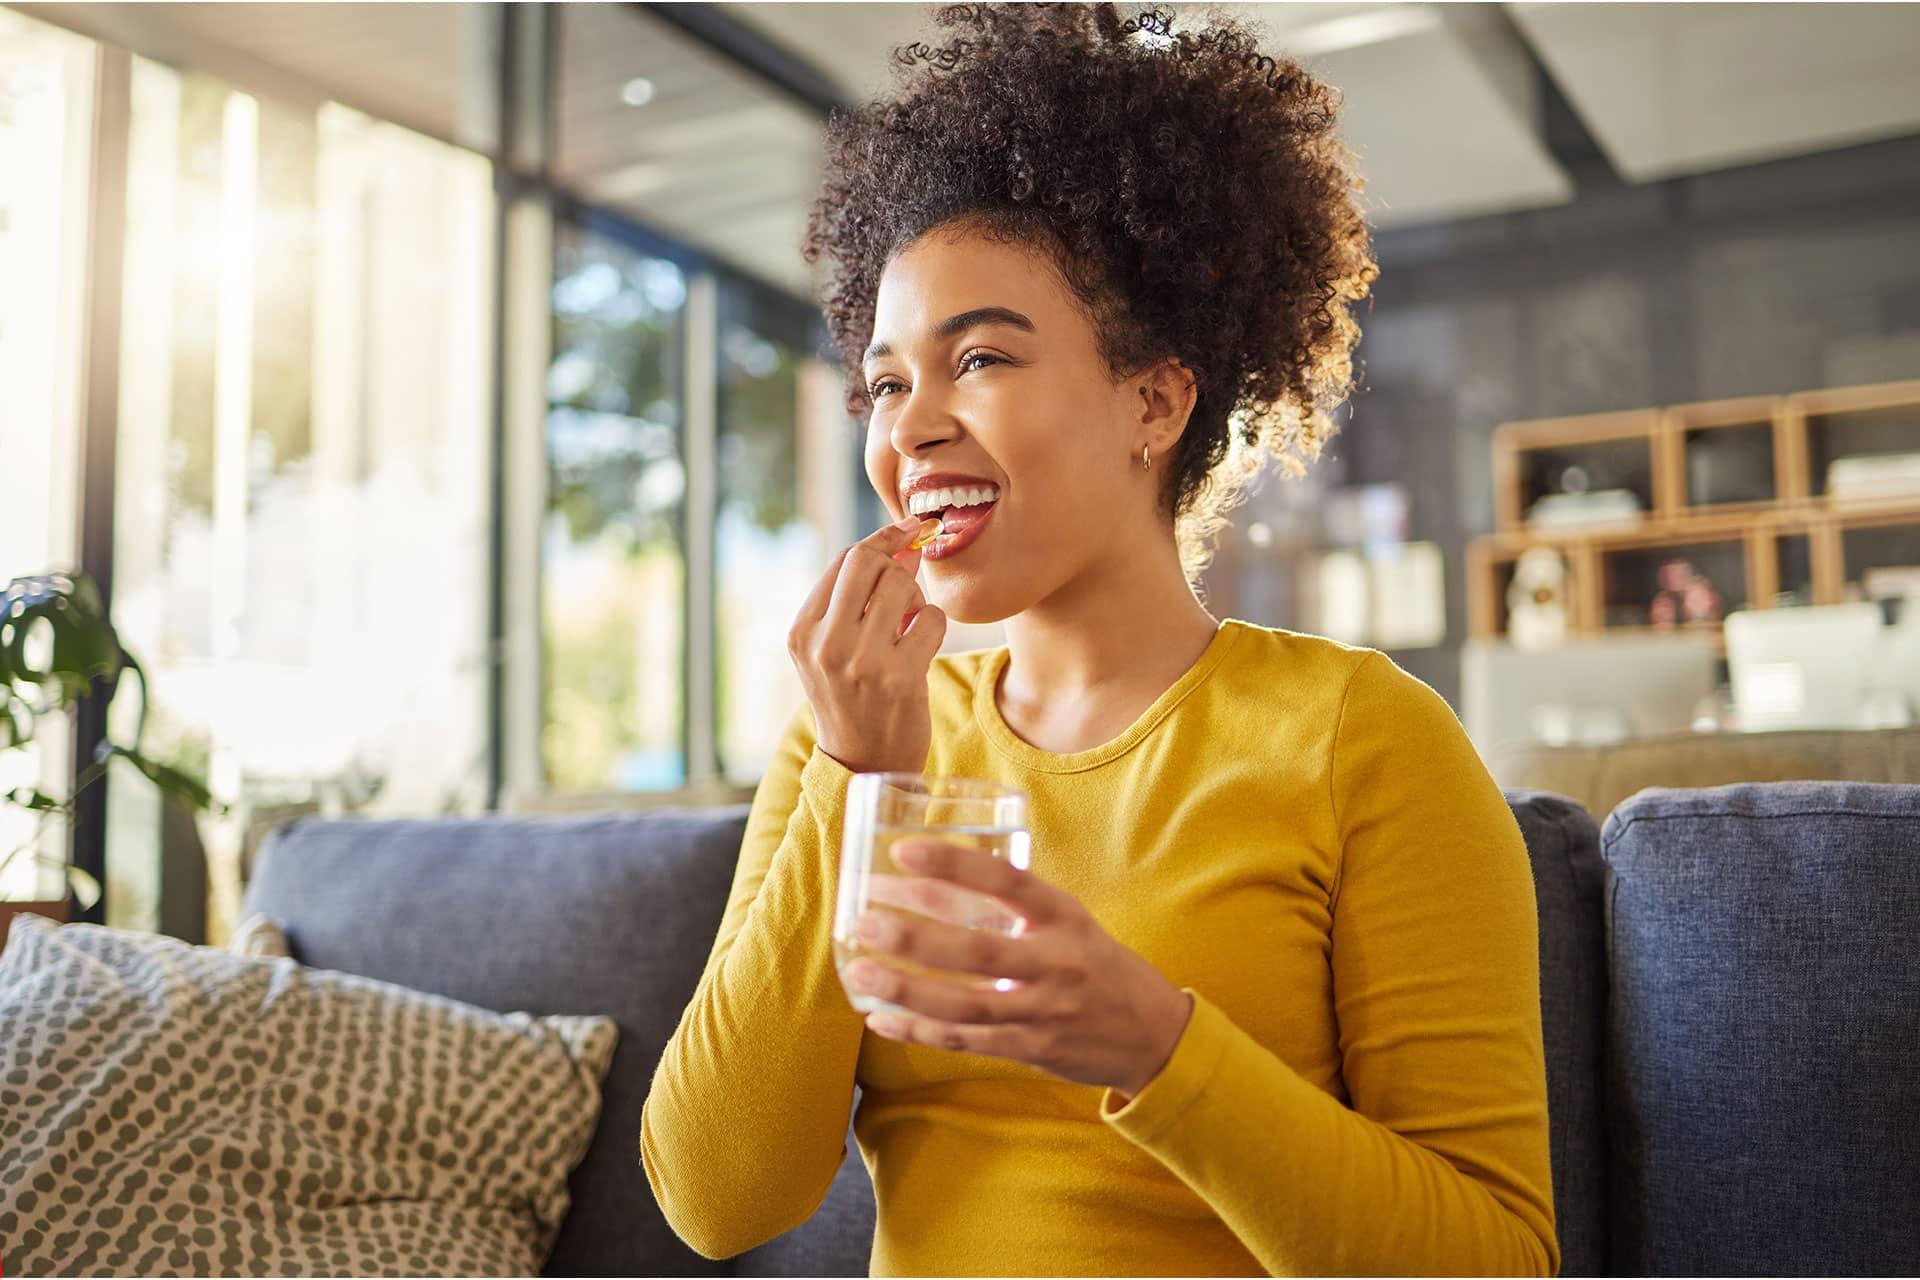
(938, 499)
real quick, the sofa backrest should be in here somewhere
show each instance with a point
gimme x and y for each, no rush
(616, 914)
(607, 914)
(1563, 844)
(1763, 1028)
(1600, 778)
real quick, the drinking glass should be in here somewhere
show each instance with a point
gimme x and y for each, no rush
(886, 808)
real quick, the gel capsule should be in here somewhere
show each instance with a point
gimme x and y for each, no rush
(929, 530)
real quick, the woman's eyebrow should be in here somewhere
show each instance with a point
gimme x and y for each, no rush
(960, 324)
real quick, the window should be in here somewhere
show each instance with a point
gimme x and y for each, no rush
(46, 82)
(613, 560)
(301, 518)
(305, 400)
(768, 550)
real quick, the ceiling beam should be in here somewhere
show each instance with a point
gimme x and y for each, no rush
(1564, 134)
(747, 48)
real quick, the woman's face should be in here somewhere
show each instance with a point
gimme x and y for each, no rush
(1015, 398)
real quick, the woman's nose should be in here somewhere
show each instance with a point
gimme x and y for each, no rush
(922, 421)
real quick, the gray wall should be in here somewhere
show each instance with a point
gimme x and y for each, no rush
(1778, 277)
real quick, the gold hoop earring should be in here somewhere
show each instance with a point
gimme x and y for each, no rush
(1146, 463)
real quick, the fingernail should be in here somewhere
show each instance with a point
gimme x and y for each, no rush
(905, 523)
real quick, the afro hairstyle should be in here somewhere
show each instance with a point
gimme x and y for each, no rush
(1190, 191)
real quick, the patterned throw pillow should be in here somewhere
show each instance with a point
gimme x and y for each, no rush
(169, 1109)
(259, 935)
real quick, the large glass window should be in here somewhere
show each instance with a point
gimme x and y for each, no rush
(46, 80)
(304, 413)
(613, 563)
(301, 522)
(769, 547)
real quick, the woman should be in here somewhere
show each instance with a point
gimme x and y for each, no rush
(1276, 1004)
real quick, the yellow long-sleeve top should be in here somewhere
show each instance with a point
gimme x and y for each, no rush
(1297, 833)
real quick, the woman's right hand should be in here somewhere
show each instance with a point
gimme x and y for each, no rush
(863, 642)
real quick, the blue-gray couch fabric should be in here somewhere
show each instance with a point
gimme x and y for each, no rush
(605, 914)
(1764, 1030)
(1775, 919)
(1564, 845)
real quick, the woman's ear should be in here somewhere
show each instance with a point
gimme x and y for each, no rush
(1168, 392)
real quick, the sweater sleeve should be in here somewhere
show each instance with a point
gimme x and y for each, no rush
(1440, 1164)
(745, 1123)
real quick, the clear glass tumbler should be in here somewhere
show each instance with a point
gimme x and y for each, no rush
(886, 808)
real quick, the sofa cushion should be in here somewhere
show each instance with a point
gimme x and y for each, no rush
(606, 914)
(1563, 844)
(1763, 1081)
(174, 1109)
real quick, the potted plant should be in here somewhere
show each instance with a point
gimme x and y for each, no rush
(56, 641)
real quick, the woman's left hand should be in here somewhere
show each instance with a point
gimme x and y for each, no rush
(1078, 1004)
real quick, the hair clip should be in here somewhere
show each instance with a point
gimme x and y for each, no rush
(945, 58)
(1153, 21)
(1157, 22)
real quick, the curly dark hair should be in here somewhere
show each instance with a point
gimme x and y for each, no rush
(1190, 190)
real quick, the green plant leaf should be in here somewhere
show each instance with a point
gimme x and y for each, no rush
(83, 648)
(83, 883)
(85, 887)
(16, 719)
(35, 799)
(185, 788)
(83, 645)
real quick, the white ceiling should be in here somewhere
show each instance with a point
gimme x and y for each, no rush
(716, 158)
(1438, 108)
(1441, 102)
(427, 66)
(1669, 89)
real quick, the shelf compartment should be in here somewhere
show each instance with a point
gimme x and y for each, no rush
(1855, 422)
(1792, 560)
(1490, 564)
(1728, 456)
(1489, 574)
(1630, 576)
(1876, 542)
(1616, 450)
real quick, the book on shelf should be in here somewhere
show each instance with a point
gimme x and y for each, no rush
(1885, 475)
(1571, 510)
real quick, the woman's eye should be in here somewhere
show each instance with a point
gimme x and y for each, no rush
(874, 392)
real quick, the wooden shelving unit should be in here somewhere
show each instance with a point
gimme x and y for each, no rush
(1770, 451)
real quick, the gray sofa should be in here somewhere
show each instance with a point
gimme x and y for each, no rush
(1730, 990)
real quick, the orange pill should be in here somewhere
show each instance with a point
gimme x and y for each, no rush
(929, 530)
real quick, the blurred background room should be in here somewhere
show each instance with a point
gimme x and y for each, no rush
(433, 393)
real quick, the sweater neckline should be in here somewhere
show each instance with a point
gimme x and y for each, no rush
(986, 709)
